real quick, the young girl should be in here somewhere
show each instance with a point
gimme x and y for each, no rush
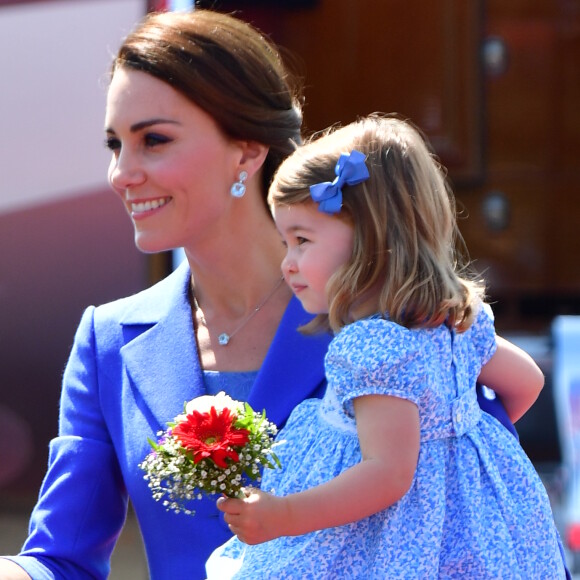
(396, 473)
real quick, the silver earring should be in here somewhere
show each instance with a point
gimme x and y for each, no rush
(238, 188)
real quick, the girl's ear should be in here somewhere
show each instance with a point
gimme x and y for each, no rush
(253, 156)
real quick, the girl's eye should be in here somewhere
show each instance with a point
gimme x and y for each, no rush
(112, 143)
(152, 139)
(300, 240)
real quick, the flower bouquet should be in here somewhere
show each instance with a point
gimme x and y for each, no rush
(216, 446)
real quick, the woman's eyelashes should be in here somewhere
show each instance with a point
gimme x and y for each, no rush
(153, 140)
(150, 141)
(112, 143)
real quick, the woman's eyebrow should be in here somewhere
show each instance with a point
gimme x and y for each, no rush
(136, 127)
(148, 123)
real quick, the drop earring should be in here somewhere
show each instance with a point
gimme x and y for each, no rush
(238, 188)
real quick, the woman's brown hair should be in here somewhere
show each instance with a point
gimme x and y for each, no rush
(226, 67)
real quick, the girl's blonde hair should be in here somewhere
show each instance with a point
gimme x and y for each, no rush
(405, 261)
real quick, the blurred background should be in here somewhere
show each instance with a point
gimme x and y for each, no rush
(495, 86)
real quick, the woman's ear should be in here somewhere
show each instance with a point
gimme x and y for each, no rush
(253, 156)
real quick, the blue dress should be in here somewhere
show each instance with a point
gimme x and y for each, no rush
(476, 507)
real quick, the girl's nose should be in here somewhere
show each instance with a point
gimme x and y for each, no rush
(288, 265)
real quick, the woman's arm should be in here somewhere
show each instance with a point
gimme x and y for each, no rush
(388, 430)
(82, 501)
(514, 376)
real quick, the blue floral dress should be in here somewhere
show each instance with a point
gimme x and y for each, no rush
(476, 507)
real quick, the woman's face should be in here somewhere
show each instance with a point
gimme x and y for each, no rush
(171, 165)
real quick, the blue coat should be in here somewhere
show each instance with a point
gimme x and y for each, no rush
(133, 364)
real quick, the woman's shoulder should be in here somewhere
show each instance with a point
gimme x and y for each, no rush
(149, 304)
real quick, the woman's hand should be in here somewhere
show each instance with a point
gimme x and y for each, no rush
(257, 518)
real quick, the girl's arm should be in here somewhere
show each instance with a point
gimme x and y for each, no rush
(514, 376)
(388, 430)
(11, 571)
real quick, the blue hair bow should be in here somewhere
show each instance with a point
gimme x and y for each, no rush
(350, 170)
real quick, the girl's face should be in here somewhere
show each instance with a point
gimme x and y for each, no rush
(317, 244)
(171, 164)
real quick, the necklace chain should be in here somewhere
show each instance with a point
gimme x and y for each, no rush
(224, 338)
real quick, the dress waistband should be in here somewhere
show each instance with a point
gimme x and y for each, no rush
(463, 414)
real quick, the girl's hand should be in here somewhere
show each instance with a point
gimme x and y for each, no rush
(257, 518)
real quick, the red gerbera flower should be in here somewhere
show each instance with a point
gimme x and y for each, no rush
(211, 435)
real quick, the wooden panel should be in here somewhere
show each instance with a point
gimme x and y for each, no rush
(533, 157)
(521, 115)
(512, 258)
(377, 55)
(534, 119)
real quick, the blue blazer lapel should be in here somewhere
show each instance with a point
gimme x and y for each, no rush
(293, 369)
(162, 362)
(160, 354)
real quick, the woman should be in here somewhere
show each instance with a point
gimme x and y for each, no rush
(200, 113)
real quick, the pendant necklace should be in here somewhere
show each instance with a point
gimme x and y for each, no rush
(224, 338)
